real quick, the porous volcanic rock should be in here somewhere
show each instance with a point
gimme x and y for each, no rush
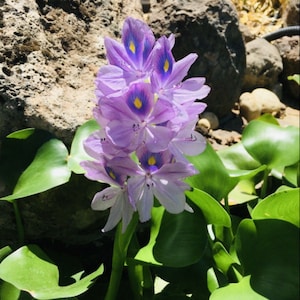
(50, 51)
(210, 29)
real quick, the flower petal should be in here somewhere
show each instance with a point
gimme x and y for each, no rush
(106, 198)
(115, 215)
(170, 195)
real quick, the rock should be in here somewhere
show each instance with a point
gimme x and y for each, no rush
(260, 101)
(211, 118)
(203, 126)
(49, 53)
(289, 50)
(290, 13)
(210, 29)
(264, 64)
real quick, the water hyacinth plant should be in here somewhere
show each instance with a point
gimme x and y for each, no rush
(144, 108)
(191, 222)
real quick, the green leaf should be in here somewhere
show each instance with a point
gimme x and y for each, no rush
(4, 252)
(243, 192)
(295, 77)
(241, 290)
(269, 251)
(77, 153)
(9, 291)
(17, 152)
(213, 178)
(239, 162)
(145, 254)
(212, 210)
(182, 239)
(282, 205)
(30, 270)
(292, 174)
(222, 258)
(48, 169)
(22, 134)
(271, 144)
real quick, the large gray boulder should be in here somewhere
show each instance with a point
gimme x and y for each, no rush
(210, 29)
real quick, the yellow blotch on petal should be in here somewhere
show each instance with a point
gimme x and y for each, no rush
(112, 175)
(166, 65)
(132, 47)
(138, 103)
(151, 161)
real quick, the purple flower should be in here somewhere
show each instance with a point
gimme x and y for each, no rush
(138, 119)
(158, 175)
(166, 79)
(114, 197)
(129, 61)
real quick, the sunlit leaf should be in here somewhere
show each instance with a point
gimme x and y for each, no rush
(22, 134)
(269, 251)
(271, 144)
(77, 153)
(282, 205)
(241, 290)
(243, 192)
(48, 169)
(295, 77)
(292, 174)
(213, 178)
(145, 254)
(212, 210)
(30, 270)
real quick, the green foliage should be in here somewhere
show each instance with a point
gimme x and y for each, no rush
(29, 269)
(241, 241)
(295, 77)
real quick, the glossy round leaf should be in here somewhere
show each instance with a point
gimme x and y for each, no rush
(182, 239)
(239, 162)
(212, 210)
(271, 144)
(269, 251)
(77, 153)
(48, 169)
(30, 270)
(282, 205)
(213, 177)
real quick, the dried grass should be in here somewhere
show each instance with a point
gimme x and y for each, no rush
(260, 16)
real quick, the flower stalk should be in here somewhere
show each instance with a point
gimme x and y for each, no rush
(121, 243)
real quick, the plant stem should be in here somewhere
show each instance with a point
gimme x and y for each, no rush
(226, 204)
(20, 227)
(264, 187)
(121, 244)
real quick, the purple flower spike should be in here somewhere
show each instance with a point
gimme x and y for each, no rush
(147, 114)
